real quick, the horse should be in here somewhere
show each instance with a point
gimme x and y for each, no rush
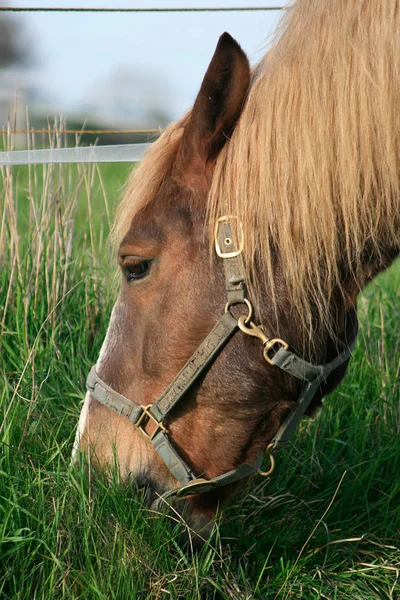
(244, 238)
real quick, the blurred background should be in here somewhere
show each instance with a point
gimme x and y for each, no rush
(118, 70)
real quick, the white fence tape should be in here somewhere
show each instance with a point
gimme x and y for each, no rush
(84, 154)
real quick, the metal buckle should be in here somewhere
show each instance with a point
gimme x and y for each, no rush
(228, 241)
(187, 489)
(146, 414)
(269, 346)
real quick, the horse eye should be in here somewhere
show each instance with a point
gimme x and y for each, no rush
(134, 271)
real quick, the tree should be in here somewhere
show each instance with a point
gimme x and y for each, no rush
(11, 43)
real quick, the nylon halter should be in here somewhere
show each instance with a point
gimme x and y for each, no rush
(228, 246)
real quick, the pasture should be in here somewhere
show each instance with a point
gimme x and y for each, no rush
(325, 525)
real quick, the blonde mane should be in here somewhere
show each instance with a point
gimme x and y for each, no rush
(146, 179)
(312, 168)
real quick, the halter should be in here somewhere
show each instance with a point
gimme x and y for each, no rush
(276, 353)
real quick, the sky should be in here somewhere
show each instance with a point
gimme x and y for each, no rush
(75, 56)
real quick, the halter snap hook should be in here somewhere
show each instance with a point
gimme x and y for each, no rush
(252, 329)
(271, 346)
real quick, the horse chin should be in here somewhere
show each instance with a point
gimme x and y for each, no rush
(193, 528)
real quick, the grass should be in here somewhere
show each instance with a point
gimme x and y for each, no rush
(325, 526)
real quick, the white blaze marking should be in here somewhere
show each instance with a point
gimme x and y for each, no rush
(108, 343)
(81, 427)
(105, 351)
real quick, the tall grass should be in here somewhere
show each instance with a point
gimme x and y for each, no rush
(326, 525)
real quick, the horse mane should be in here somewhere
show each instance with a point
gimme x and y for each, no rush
(312, 167)
(146, 179)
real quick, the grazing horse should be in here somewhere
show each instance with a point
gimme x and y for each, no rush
(244, 238)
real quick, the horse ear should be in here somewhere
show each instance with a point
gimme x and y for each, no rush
(218, 104)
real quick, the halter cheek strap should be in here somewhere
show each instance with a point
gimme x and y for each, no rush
(276, 353)
(140, 415)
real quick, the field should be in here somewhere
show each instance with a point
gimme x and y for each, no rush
(325, 525)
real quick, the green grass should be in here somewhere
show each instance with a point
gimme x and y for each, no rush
(326, 525)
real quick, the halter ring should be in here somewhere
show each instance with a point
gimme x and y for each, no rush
(247, 318)
(271, 462)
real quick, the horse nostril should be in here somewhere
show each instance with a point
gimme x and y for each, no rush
(152, 497)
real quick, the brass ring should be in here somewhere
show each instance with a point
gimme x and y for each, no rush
(271, 462)
(249, 306)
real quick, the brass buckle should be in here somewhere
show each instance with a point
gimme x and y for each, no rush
(270, 346)
(146, 414)
(228, 241)
(186, 490)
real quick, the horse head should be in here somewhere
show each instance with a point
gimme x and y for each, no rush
(189, 389)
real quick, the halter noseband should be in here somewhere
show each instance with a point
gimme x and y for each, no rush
(276, 352)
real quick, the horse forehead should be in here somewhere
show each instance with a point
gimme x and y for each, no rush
(145, 227)
(174, 210)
